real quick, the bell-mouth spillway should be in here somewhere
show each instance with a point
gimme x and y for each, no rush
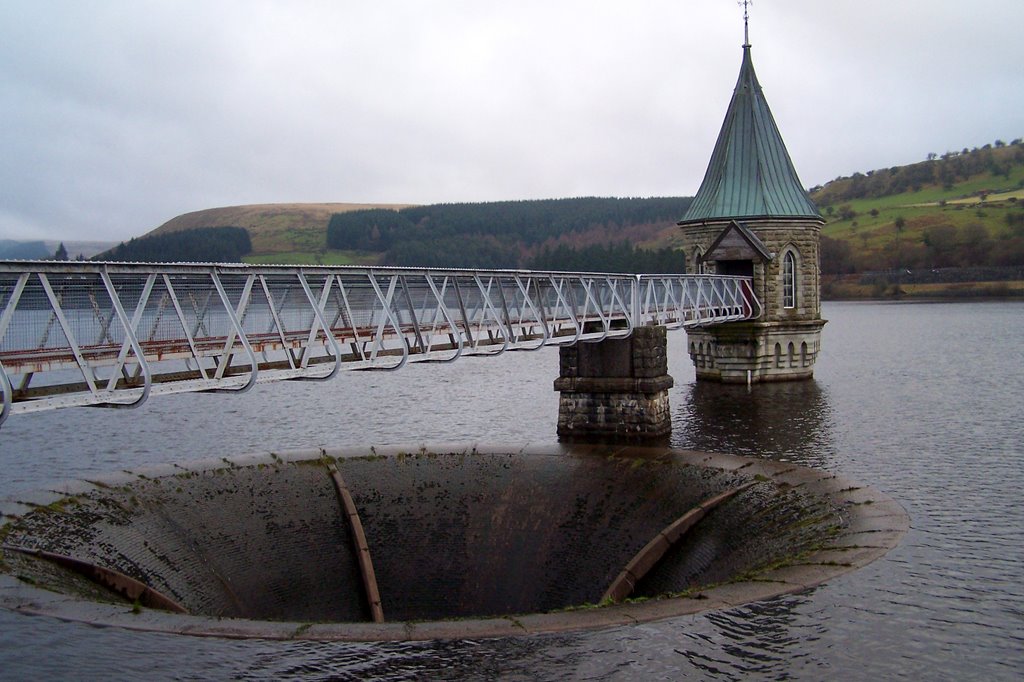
(433, 543)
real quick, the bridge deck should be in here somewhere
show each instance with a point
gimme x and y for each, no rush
(112, 334)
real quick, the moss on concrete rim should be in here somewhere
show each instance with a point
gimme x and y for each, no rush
(876, 525)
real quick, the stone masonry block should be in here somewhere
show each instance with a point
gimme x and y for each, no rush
(617, 387)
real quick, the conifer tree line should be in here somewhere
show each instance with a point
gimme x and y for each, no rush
(198, 245)
(554, 234)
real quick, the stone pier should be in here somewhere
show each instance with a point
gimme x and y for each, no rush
(616, 387)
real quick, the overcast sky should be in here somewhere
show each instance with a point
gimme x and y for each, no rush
(117, 115)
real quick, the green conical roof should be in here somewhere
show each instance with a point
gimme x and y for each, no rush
(750, 174)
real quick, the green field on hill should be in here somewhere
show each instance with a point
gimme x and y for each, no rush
(962, 212)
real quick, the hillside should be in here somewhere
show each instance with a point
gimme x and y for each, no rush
(193, 245)
(890, 230)
(280, 233)
(602, 232)
(15, 249)
(934, 227)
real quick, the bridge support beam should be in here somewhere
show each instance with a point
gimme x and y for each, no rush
(615, 388)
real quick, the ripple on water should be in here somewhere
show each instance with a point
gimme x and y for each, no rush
(921, 401)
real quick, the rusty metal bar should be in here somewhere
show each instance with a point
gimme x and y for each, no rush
(115, 581)
(361, 547)
(654, 550)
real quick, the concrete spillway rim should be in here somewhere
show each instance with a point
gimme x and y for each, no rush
(877, 523)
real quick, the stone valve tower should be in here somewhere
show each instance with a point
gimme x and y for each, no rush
(752, 217)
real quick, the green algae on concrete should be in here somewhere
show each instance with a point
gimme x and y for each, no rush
(467, 541)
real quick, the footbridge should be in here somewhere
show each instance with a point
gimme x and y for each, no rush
(114, 334)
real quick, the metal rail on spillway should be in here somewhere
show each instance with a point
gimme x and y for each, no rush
(113, 334)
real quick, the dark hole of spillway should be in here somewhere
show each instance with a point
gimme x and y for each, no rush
(448, 534)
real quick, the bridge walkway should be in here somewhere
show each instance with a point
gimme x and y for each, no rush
(113, 334)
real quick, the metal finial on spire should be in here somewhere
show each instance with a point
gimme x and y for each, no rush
(746, 21)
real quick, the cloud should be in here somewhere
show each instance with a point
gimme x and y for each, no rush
(118, 115)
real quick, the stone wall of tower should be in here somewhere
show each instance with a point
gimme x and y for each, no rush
(804, 239)
(755, 352)
(777, 235)
(781, 345)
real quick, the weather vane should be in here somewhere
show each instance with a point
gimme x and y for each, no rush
(746, 16)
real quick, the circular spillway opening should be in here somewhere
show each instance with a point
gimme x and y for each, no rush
(368, 544)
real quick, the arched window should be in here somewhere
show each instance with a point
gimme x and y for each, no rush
(698, 262)
(789, 280)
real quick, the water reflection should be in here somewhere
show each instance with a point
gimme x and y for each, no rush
(788, 421)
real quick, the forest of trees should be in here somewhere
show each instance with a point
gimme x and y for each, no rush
(510, 234)
(199, 245)
(621, 257)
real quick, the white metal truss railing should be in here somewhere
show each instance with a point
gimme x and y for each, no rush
(112, 334)
(677, 301)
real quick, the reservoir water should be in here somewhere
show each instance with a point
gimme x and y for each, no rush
(923, 401)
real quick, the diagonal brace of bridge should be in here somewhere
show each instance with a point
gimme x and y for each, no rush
(113, 334)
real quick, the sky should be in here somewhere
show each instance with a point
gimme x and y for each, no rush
(118, 115)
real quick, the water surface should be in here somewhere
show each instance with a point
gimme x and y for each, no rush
(920, 400)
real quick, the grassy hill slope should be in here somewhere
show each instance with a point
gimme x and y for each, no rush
(280, 233)
(963, 211)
